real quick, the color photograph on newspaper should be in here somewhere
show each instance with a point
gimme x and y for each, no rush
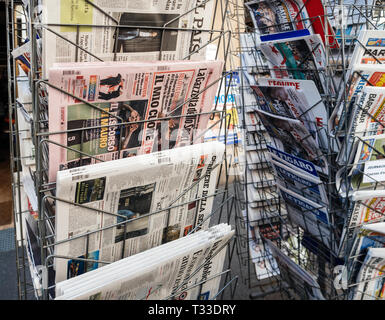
(301, 58)
(290, 136)
(103, 140)
(127, 100)
(306, 185)
(302, 100)
(270, 16)
(134, 203)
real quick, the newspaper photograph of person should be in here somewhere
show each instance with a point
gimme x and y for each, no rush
(299, 58)
(91, 141)
(290, 136)
(138, 39)
(133, 203)
(270, 16)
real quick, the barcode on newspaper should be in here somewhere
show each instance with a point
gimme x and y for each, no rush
(164, 159)
(163, 68)
(69, 72)
(80, 177)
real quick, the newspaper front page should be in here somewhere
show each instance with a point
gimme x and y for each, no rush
(301, 58)
(367, 237)
(128, 100)
(141, 38)
(362, 75)
(305, 185)
(290, 136)
(138, 189)
(304, 101)
(310, 216)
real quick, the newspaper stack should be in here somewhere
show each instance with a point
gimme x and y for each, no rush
(367, 262)
(364, 70)
(370, 236)
(296, 120)
(258, 182)
(163, 196)
(184, 269)
(142, 35)
(286, 110)
(111, 110)
(360, 177)
(370, 284)
(367, 209)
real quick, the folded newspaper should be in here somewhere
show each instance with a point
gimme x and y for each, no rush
(369, 236)
(367, 209)
(361, 75)
(264, 263)
(303, 100)
(300, 165)
(368, 170)
(291, 137)
(305, 185)
(148, 30)
(163, 195)
(369, 48)
(127, 100)
(185, 269)
(366, 118)
(370, 282)
(301, 58)
(295, 275)
(288, 119)
(277, 16)
(370, 115)
(310, 216)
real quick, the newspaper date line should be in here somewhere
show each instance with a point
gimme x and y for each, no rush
(196, 309)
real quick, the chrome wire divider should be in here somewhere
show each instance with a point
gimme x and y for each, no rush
(42, 284)
(296, 242)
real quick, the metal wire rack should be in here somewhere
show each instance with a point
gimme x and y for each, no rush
(261, 205)
(35, 264)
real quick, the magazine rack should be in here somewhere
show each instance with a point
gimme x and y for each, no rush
(24, 23)
(310, 253)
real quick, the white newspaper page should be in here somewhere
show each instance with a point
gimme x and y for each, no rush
(135, 189)
(142, 38)
(159, 273)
